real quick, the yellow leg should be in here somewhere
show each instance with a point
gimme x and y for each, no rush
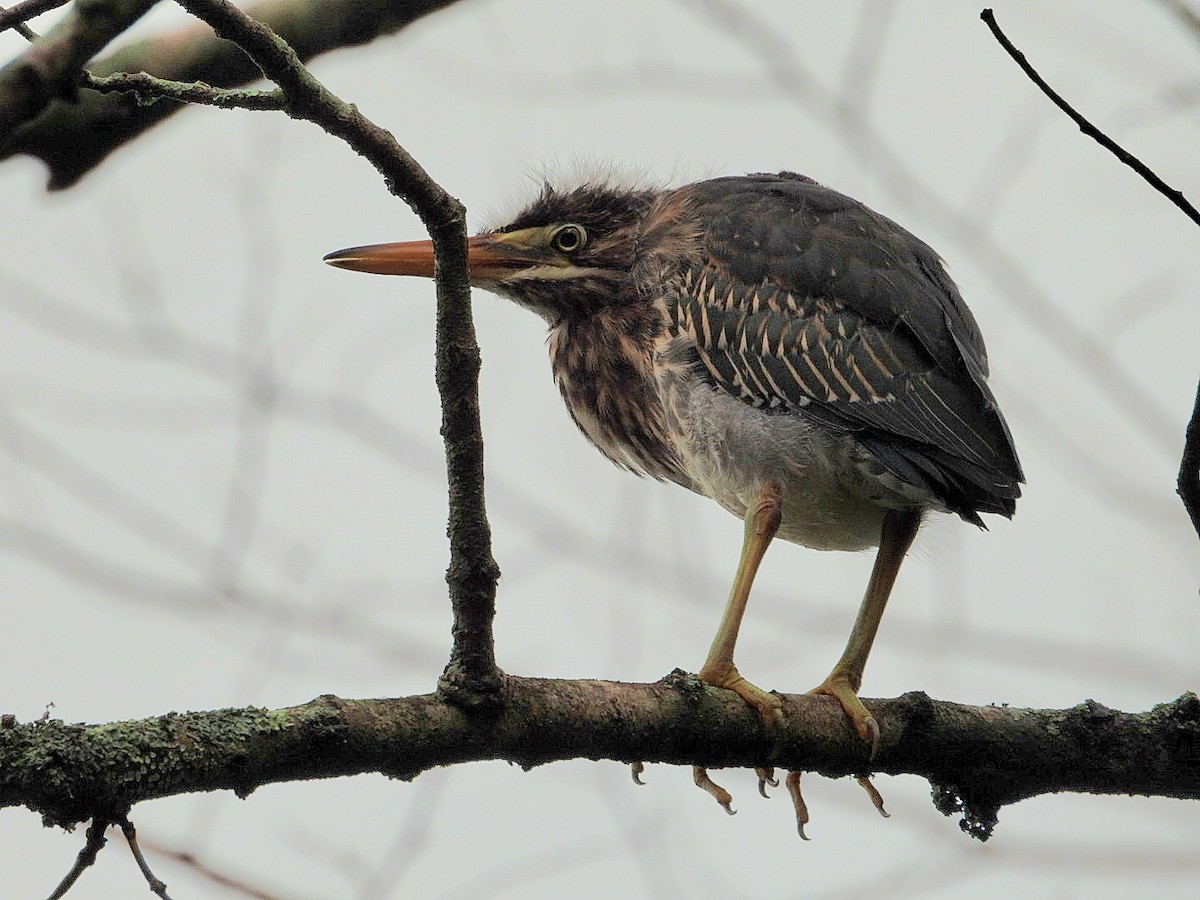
(899, 529)
(762, 521)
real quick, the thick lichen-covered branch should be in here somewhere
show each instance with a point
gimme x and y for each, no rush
(978, 759)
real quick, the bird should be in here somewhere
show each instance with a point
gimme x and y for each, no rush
(769, 343)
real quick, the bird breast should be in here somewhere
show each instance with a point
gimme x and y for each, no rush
(603, 366)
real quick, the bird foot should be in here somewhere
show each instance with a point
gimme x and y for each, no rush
(770, 710)
(722, 796)
(769, 706)
(838, 687)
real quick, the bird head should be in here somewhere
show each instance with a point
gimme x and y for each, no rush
(566, 254)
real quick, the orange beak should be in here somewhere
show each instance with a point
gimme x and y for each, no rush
(489, 257)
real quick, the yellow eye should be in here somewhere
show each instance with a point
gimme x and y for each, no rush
(569, 238)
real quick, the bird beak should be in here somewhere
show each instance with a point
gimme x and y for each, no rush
(490, 258)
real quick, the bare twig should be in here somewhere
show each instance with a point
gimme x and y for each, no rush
(157, 886)
(148, 89)
(1087, 127)
(471, 676)
(91, 848)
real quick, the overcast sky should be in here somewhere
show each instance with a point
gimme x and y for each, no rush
(221, 478)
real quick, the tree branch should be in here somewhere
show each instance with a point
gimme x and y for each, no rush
(73, 136)
(977, 758)
(157, 885)
(86, 857)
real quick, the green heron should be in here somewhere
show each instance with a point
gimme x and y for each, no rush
(769, 343)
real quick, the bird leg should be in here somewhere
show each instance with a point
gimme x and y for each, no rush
(899, 529)
(762, 521)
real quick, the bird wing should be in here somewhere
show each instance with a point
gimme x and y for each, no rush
(809, 301)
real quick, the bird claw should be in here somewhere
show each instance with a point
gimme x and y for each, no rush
(766, 776)
(793, 789)
(864, 724)
(635, 771)
(872, 737)
(718, 793)
(873, 792)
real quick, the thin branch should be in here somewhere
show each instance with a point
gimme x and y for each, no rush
(148, 90)
(157, 886)
(977, 758)
(471, 676)
(1088, 128)
(92, 846)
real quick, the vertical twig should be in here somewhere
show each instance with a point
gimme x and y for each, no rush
(91, 848)
(156, 884)
(471, 676)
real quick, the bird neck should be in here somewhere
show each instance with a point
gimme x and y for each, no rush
(603, 365)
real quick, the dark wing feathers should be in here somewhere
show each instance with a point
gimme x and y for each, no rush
(813, 302)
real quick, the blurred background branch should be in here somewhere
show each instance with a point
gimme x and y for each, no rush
(44, 113)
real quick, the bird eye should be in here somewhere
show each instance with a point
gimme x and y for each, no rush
(568, 238)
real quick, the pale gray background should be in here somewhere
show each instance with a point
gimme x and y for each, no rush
(222, 485)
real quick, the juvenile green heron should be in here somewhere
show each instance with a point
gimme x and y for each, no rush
(769, 343)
